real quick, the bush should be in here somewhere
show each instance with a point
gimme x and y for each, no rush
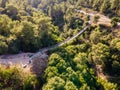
(14, 78)
(10, 78)
(3, 47)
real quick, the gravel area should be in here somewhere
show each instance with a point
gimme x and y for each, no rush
(16, 59)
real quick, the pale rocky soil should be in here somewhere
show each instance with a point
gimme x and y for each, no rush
(16, 59)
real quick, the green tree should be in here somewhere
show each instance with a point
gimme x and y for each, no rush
(55, 83)
(50, 72)
(70, 86)
(100, 53)
(27, 37)
(97, 4)
(10, 78)
(114, 21)
(3, 47)
(95, 36)
(115, 6)
(81, 58)
(96, 18)
(85, 87)
(105, 6)
(56, 60)
(107, 85)
(115, 43)
(11, 11)
(5, 23)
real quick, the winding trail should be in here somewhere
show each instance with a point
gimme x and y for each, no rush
(41, 51)
(100, 72)
(23, 59)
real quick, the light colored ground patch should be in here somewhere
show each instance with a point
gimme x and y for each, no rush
(16, 59)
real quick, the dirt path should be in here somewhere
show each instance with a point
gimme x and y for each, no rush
(16, 59)
(100, 73)
(102, 20)
(24, 60)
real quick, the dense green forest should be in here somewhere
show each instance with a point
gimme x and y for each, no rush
(30, 25)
